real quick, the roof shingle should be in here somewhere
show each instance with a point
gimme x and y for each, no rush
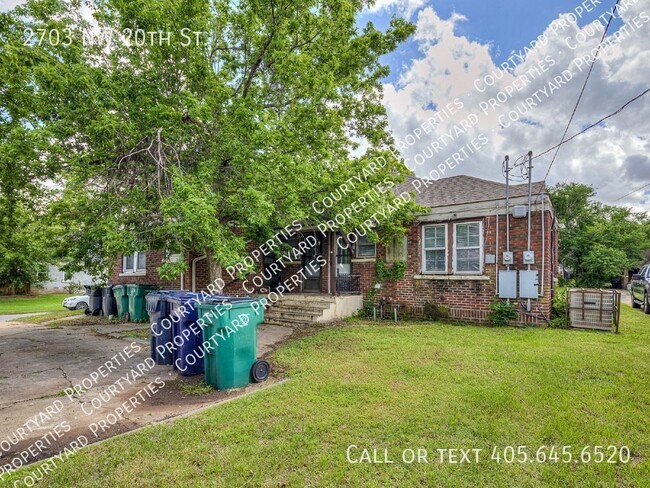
(461, 189)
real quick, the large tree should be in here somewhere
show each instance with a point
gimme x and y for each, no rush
(598, 242)
(224, 129)
(27, 165)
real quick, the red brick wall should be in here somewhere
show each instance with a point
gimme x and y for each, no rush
(154, 260)
(466, 299)
(469, 299)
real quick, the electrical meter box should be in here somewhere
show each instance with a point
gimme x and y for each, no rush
(508, 258)
(529, 257)
(519, 211)
(529, 284)
(507, 284)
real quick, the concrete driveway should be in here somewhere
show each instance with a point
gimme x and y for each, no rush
(9, 318)
(63, 382)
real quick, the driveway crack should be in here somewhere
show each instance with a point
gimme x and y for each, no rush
(65, 376)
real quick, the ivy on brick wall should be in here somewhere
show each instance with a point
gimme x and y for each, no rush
(386, 273)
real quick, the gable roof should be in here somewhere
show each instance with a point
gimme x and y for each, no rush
(461, 189)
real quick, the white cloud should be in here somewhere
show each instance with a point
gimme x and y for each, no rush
(450, 65)
(406, 7)
(6, 5)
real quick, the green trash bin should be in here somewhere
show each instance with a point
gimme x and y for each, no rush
(230, 328)
(122, 299)
(137, 302)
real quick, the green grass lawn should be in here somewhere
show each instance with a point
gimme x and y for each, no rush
(407, 387)
(51, 302)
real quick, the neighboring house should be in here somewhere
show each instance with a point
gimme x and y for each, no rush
(626, 278)
(451, 255)
(58, 280)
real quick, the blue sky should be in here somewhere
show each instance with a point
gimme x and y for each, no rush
(507, 25)
(459, 43)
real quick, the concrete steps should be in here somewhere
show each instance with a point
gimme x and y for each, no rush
(299, 310)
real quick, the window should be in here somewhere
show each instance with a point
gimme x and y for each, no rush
(434, 248)
(135, 263)
(343, 261)
(468, 248)
(365, 248)
(396, 250)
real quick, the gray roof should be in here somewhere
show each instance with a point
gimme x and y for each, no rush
(464, 189)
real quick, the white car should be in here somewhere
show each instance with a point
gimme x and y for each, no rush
(79, 302)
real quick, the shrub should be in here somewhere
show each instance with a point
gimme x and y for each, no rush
(502, 313)
(558, 312)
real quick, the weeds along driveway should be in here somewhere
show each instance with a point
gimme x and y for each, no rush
(109, 369)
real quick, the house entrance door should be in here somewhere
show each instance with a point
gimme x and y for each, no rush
(312, 268)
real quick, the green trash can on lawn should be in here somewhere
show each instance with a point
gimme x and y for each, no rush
(230, 328)
(137, 302)
(122, 299)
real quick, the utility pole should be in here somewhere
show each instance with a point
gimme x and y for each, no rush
(530, 209)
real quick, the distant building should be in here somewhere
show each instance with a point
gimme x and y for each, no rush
(59, 280)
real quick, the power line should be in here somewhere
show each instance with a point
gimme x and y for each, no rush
(584, 86)
(623, 107)
(633, 191)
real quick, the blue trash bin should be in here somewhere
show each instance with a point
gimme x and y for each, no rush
(161, 326)
(187, 335)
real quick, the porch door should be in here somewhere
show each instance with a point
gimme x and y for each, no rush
(343, 261)
(343, 270)
(313, 271)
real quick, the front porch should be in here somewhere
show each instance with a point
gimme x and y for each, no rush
(328, 267)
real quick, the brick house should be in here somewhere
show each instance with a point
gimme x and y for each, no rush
(453, 257)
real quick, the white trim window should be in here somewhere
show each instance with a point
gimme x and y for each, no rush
(434, 248)
(366, 248)
(468, 248)
(135, 263)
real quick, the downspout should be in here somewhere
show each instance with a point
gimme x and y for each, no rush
(182, 281)
(194, 261)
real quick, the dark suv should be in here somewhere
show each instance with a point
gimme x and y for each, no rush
(640, 289)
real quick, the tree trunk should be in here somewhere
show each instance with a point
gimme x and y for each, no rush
(214, 273)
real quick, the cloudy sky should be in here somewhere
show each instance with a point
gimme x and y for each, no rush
(458, 43)
(467, 69)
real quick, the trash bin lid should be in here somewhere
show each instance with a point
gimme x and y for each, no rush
(154, 298)
(185, 297)
(220, 300)
(182, 297)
